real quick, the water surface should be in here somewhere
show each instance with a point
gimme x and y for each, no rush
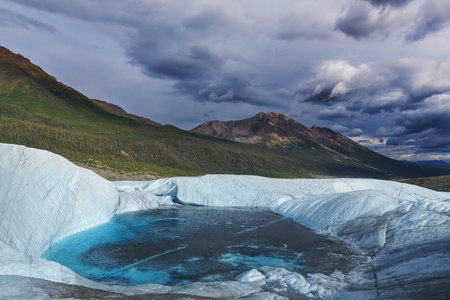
(188, 244)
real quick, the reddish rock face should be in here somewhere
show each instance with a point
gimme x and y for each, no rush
(275, 130)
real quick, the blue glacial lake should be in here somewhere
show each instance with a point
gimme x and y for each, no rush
(181, 245)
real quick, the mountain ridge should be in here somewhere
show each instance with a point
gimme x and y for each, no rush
(38, 111)
(277, 130)
(113, 108)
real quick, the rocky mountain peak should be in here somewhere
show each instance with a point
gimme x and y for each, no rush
(275, 130)
(277, 116)
(272, 116)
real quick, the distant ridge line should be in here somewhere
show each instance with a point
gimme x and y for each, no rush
(115, 109)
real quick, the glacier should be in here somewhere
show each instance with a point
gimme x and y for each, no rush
(403, 230)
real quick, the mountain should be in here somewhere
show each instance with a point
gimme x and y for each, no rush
(275, 130)
(36, 110)
(324, 149)
(278, 131)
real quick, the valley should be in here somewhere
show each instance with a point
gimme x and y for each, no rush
(36, 110)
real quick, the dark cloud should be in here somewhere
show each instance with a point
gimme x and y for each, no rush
(355, 23)
(10, 18)
(164, 44)
(393, 3)
(361, 21)
(427, 127)
(318, 95)
(432, 17)
(177, 51)
(199, 72)
(335, 113)
(429, 141)
(194, 63)
(421, 120)
(238, 88)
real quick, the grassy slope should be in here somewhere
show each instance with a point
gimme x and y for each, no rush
(53, 117)
(37, 111)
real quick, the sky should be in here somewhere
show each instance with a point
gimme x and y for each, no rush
(377, 71)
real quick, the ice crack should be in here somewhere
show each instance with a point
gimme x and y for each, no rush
(139, 262)
(260, 226)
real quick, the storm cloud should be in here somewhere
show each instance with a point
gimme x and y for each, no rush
(432, 17)
(362, 21)
(394, 3)
(377, 70)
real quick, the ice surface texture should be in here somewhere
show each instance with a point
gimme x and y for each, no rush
(44, 198)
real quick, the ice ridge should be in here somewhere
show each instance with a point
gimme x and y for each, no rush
(45, 198)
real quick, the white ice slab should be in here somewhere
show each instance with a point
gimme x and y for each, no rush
(45, 198)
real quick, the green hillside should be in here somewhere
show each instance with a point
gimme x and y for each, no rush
(38, 111)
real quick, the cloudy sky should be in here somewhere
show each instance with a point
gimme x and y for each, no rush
(375, 70)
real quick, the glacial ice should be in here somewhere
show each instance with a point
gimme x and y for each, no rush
(403, 229)
(45, 198)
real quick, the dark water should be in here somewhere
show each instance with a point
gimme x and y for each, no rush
(183, 245)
